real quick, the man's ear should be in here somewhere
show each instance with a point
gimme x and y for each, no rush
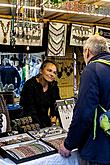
(88, 53)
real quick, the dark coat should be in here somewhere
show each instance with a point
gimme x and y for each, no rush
(36, 103)
(8, 74)
(94, 90)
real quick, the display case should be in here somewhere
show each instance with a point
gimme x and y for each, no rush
(65, 109)
(47, 132)
(14, 139)
(56, 140)
(27, 151)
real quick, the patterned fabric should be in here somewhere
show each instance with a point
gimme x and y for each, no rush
(3, 109)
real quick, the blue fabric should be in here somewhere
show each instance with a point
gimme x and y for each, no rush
(94, 90)
(107, 114)
(13, 107)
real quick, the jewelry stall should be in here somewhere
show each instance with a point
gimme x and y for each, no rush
(32, 31)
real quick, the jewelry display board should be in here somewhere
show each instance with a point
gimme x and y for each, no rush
(65, 109)
(65, 71)
(5, 26)
(105, 32)
(30, 35)
(27, 151)
(65, 75)
(79, 34)
(57, 39)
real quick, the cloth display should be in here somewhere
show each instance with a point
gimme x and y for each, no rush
(55, 159)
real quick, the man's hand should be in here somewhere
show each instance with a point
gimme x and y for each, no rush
(63, 151)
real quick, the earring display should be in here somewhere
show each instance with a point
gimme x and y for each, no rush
(65, 109)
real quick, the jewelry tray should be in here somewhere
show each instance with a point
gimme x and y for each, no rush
(27, 151)
(47, 132)
(56, 140)
(14, 139)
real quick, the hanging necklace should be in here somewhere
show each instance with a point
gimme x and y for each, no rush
(5, 30)
(55, 53)
(57, 42)
(56, 33)
(56, 27)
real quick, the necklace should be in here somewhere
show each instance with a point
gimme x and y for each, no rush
(5, 30)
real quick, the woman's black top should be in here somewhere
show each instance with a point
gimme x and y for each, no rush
(36, 103)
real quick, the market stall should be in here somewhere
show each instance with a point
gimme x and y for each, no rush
(63, 27)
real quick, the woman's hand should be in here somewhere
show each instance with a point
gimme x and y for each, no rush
(53, 120)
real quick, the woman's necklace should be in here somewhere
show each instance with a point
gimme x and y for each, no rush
(44, 84)
(45, 88)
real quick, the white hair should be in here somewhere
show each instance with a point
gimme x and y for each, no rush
(96, 44)
(5, 61)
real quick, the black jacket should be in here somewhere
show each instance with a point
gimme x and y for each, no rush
(8, 74)
(36, 103)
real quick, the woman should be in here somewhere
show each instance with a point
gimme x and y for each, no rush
(40, 93)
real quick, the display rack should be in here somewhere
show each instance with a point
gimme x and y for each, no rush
(47, 132)
(65, 109)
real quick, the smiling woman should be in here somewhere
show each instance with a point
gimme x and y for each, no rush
(39, 95)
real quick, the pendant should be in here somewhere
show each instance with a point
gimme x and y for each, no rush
(4, 39)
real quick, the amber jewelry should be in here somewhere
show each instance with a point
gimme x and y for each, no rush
(30, 119)
(28, 127)
(23, 122)
(5, 30)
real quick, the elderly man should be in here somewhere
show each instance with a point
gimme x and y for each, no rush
(94, 90)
